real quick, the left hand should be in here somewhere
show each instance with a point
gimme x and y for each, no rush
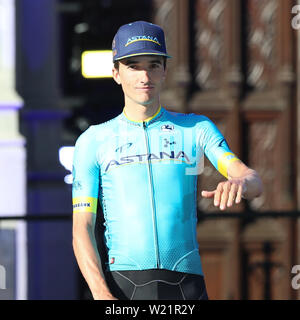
(227, 193)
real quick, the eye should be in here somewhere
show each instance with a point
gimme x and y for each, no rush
(155, 66)
(132, 66)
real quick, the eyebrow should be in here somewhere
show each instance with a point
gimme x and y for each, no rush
(129, 61)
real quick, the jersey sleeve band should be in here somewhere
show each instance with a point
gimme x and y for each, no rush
(85, 204)
(224, 161)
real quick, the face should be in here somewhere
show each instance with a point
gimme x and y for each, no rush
(141, 78)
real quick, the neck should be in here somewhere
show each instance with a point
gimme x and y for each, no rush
(138, 112)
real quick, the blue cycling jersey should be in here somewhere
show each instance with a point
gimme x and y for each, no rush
(144, 175)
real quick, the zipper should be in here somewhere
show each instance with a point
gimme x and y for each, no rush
(152, 198)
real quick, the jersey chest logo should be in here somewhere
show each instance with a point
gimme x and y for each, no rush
(124, 147)
(167, 127)
(143, 158)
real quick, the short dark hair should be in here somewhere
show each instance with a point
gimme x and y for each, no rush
(116, 63)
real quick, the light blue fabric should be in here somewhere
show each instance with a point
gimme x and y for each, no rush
(145, 176)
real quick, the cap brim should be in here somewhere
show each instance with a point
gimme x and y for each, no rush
(143, 53)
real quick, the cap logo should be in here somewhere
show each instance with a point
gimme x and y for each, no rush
(142, 38)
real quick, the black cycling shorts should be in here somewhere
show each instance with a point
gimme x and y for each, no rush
(156, 284)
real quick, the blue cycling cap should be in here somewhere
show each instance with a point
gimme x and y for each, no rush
(139, 38)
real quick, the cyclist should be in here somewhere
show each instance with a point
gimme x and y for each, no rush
(141, 170)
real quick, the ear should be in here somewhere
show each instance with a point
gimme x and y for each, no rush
(116, 75)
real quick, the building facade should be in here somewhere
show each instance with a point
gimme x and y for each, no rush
(237, 62)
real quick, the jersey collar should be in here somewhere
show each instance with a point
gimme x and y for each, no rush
(158, 114)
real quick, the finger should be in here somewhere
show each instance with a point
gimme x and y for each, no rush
(232, 194)
(225, 194)
(239, 194)
(218, 193)
(207, 194)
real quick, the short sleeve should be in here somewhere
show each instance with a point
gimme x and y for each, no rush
(85, 174)
(215, 146)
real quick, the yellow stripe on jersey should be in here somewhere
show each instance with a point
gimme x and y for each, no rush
(224, 161)
(85, 204)
(148, 119)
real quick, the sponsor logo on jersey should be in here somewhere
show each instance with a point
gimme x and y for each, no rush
(146, 157)
(142, 38)
(124, 146)
(77, 185)
(81, 204)
(230, 156)
(167, 143)
(85, 204)
(167, 127)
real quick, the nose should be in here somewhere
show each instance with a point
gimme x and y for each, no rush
(144, 76)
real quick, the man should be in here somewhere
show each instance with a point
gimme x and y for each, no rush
(142, 167)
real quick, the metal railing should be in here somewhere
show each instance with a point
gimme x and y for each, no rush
(247, 215)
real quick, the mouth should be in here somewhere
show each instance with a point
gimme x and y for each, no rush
(145, 88)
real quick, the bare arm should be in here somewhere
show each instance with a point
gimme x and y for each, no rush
(86, 253)
(242, 182)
